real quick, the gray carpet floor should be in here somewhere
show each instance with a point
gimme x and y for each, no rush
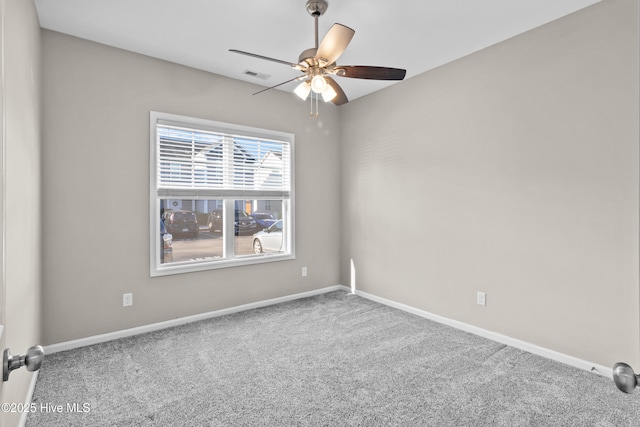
(330, 360)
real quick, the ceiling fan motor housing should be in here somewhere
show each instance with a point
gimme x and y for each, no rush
(308, 56)
(316, 7)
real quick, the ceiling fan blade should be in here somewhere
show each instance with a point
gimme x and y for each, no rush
(334, 43)
(340, 97)
(372, 73)
(280, 84)
(291, 64)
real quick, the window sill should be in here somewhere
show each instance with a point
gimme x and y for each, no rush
(190, 266)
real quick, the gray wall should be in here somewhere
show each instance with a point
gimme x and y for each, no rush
(96, 189)
(513, 171)
(21, 234)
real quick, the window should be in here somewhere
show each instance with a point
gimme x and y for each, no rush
(221, 195)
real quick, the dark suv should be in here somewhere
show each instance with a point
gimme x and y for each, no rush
(181, 223)
(244, 223)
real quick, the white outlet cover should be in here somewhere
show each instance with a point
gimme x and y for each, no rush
(481, 298)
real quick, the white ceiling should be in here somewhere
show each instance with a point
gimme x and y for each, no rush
(416, 35)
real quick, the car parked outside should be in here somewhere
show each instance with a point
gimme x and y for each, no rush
(268, 240)
(181, 223)
(263, 219)
(243, 222)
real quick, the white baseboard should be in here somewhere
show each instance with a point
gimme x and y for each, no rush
(96, 339)
(522, 345)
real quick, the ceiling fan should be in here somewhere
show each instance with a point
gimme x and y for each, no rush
(318, 63)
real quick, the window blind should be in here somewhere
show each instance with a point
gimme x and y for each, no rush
(210, 164)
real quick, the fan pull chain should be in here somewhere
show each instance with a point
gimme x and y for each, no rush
(311, 97)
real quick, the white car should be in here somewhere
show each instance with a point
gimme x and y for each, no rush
(269, 239)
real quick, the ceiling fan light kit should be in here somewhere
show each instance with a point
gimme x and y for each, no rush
(328, 94)
(318, 84)
(303, 90)
(318, 64)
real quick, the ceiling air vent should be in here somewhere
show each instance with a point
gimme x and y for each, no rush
(255, 74)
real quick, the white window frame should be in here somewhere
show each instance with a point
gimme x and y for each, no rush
(157, 268)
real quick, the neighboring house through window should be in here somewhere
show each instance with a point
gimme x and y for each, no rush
(222, 193)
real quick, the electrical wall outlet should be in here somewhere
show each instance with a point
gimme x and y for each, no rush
(481, 298)
(304, 271)
(127, 300)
